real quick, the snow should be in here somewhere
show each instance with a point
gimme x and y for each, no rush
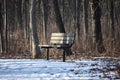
(38, 69)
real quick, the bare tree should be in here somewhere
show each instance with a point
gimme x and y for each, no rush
(33, 28)
(85, 18)
(112, 29)
(98, 33)
(58, 17)
(78, 18)
(3, 26)
(45, 19)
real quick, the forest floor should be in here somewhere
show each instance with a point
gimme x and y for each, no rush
(96, 68)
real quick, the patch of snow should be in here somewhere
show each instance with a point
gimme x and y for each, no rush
(37, 69)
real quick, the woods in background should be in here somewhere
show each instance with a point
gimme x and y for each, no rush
(26, 23)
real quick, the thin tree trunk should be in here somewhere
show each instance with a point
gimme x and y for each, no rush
(98, 33)
(92, 27)
(85, 18)
(33, 28)
(6, 29)
(45, 19)
(3, 27)
(112, 30)
(78, 19)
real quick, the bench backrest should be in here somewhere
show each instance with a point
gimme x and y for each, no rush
(62, 38)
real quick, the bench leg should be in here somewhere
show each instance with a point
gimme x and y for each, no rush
(47, 54)
(64, 55)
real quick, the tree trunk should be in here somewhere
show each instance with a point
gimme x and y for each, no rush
(33, 28)
(58, 17)
(112, 30)
(85, 18)
(98, 33)
(3, 26)
(45, 19)
(6, 35)
(78, 19)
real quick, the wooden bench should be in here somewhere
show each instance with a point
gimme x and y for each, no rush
(60, 41)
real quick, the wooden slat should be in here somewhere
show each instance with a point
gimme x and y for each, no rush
(62, 38)
(61, 42)
(62, 35)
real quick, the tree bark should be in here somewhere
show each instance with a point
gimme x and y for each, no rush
(85, 18)
(112, 29)
(58, 17)
(33, 28)
(98, 33)
(78, 19)
(45, 19)
(3, 26)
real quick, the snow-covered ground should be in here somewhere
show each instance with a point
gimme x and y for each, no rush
(37, 69)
